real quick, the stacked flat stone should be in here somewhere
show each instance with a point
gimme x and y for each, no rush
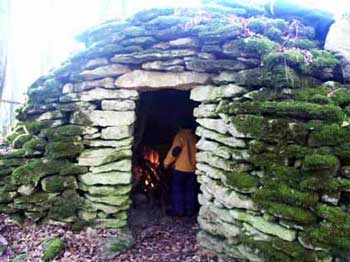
(273, 155)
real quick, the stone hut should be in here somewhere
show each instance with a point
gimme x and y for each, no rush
(273, 157)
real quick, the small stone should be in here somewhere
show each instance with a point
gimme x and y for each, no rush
(109, 178)
(97, 157)
(117, 144)
(104, 71)
(214, 93)
(184, 42)
(118, 105)
(117, 132)
(52, 248)
(100, 94)
(93, 63)
(145, 79)
(122, 165)
(205, 110)
(103, 118)
(224, 139)
(107, 82)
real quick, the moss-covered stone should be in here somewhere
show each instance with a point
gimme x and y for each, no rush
(293, 109)
(288, 212)
(321, 162)
(20, 140)
(257, 46)
(333, 214)
(288, 57)
(330, 135)
(324, 184)
(50, 89)
(66, 205)
(59, 150)
(243, 182)
(58, 183)
(52, 248)
(35, 144)
(218, 30)
(279, 191)
(303, 44)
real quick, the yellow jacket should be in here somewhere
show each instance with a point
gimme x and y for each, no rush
(186, 160)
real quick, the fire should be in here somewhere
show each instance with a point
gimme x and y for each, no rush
(147, 171)
(152, 156)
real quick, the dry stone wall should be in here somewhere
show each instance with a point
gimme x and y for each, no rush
(273, 155)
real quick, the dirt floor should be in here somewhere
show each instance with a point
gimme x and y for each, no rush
(166, 240)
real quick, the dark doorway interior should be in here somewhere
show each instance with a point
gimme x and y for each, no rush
(159, 117)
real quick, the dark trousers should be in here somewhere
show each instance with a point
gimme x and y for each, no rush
(184, 193)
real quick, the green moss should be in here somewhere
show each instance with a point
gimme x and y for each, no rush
(303, 44)
(289, 57)
(279, 191)
(288, 212)
(28, 173)
(69, 130)
(66, 205)
(257, 46)
(298, 110)
(330, 135)
(35, 144)
(58, 150)
(333, 214)
(331, 236)
(20, 140)
(342, 151)
(49, 90)
(296, 151)
(324, 184)
(52, 248)
(242, 181)
(318, 162)
(34, 127)
(218, 29)
(322, 58)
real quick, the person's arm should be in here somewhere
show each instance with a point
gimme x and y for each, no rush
(174, 151)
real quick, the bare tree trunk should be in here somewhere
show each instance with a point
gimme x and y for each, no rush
(4, 24)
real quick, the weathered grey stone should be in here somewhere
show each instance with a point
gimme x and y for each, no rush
(103, 118)
(107, 82)
(104, 71)
(174, 65)
(110, 200)
(215, 161)
(97, 157)
(224, 139)
(215, 148)
(205, 110)
(142, 41)
(209, 64)
(105, 190)
(100, 94)
(162, 45)
(226, 197)
(110, 178)
(117, 144)
(337, 41)
(212, 172)
(50, 115)
(264, 226)
(184, 42)
(87, 215)
(117, 132)
(255, 234)
(220, 126)
(147, 56)
(213, 93)
(122, 165)
(249, 77)
(220, 228)
(93, 63)
(145, 79)
(71, 107)
(118, 105)
(108, 209)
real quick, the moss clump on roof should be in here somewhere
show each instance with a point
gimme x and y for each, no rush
(319, 162)
(303, 44)
(258, 46)
(243, 182)
(289, 57)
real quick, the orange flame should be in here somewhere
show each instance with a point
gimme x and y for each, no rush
(152, 156)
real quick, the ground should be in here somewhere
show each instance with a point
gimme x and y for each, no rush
(167, 240)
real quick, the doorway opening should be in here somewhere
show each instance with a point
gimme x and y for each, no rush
(160, 115)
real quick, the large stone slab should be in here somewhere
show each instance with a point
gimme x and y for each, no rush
(104, 71)
(214, 93)
(122, 165)
(145, 79)
(107, 82)
(109, 178)
(215, 161)
(103, 118)
(118, 105)
(117, 144)
(108, 209)
(97, 94)
(205, 110)
(105, 190)
(175, 65)
(117, 132)
(98, 157)
(215, 148)
(224, 139)
(110, 200)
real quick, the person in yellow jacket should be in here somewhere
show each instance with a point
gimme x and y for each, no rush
(182, 156)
